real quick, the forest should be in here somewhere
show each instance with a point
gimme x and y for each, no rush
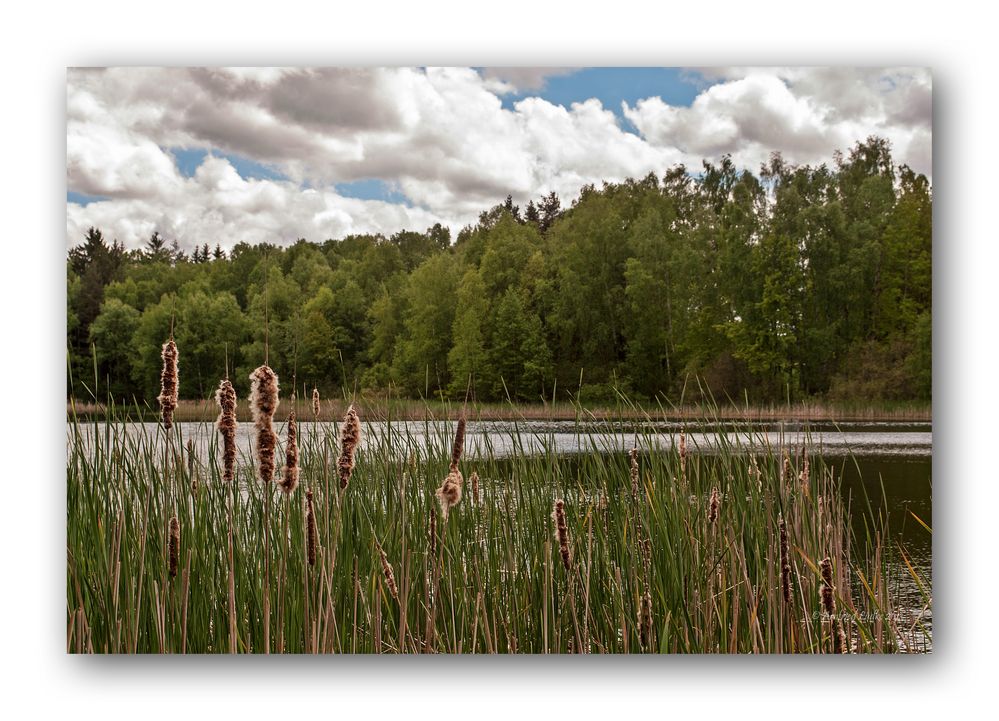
(797, 282)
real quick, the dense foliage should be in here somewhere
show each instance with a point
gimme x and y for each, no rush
(797, 282)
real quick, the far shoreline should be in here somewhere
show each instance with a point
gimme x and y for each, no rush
(383, 409)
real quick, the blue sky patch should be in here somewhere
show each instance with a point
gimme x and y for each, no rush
(372, 189)
(611, 86)
(82, 198)
(188, 160)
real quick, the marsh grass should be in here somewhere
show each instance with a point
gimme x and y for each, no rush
(649, 571)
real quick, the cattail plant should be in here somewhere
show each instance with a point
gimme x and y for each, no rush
(633, 456)
(174, 547)
(785, 562)
(191, 464)
(226, 398)
(388, 573)
(562, 533)
(290, 480)
(432, 533)
(788, 474)
(350, 437)
(263, 404)
(829, 605)
(645, 619)
(168, 383)
(459, 443)
(315, 403)
(449, 494)
(713, 505)
(311, 532)
(474, 479)
(803, 477)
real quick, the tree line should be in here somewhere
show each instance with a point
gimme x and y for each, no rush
(794, 282)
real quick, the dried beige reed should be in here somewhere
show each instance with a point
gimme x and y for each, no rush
(350, 437)
(263, 403)
(174, 546)
(168, 383)
(645, 620)
(562, 533)
(225, 396)
(311, 532)
(388, 573)
(713, 505)
(474, 479)
(290, 481)
(785, 561)
(315, 403)
(449, 494)
(633, 456)
(459, 443)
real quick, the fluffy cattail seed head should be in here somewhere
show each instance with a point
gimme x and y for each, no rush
(263, 404)
(474, 478)
(174, 547)
(713, 505)
(311, 532)
(785, 562)
(449, 494)
(226, 398)
(290, 480)
(388, 574)
(459, 443)
(350, 437)
(315, 403)
(562, 533)
(168, 383)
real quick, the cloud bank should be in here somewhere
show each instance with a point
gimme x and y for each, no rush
(439, 136)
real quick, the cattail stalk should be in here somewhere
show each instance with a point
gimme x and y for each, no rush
(432, 533)
(311, 532)
(713, 505)
(562, 533)
(168, 383)
(785, 562)
(174, 546)
(263, 403)
(474, 478)
(290, 480)
(645, 620)
(226, 398)
(388, 573)
(829, 606)
(350, 437)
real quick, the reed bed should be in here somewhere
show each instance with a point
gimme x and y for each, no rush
(606, 552)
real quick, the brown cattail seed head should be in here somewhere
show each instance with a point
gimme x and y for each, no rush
(168, 383)
(828, 603)
(459, 442)
(388, 573)
(311, 532)
(785, 562)
(315, 403)
(788, 474)
(562, 533)
(474, 478)
(290, 480)
(226, 398)
(263, 404)
(432, 532)
(645, 620)
(804, 476)
(350, 437)
(174, 546)
(633, 455)
(449, 494)
(713, 505)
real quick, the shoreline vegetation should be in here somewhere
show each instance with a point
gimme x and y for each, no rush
(381, 408)
(318, 545)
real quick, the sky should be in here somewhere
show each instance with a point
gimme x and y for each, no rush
(223, 155)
